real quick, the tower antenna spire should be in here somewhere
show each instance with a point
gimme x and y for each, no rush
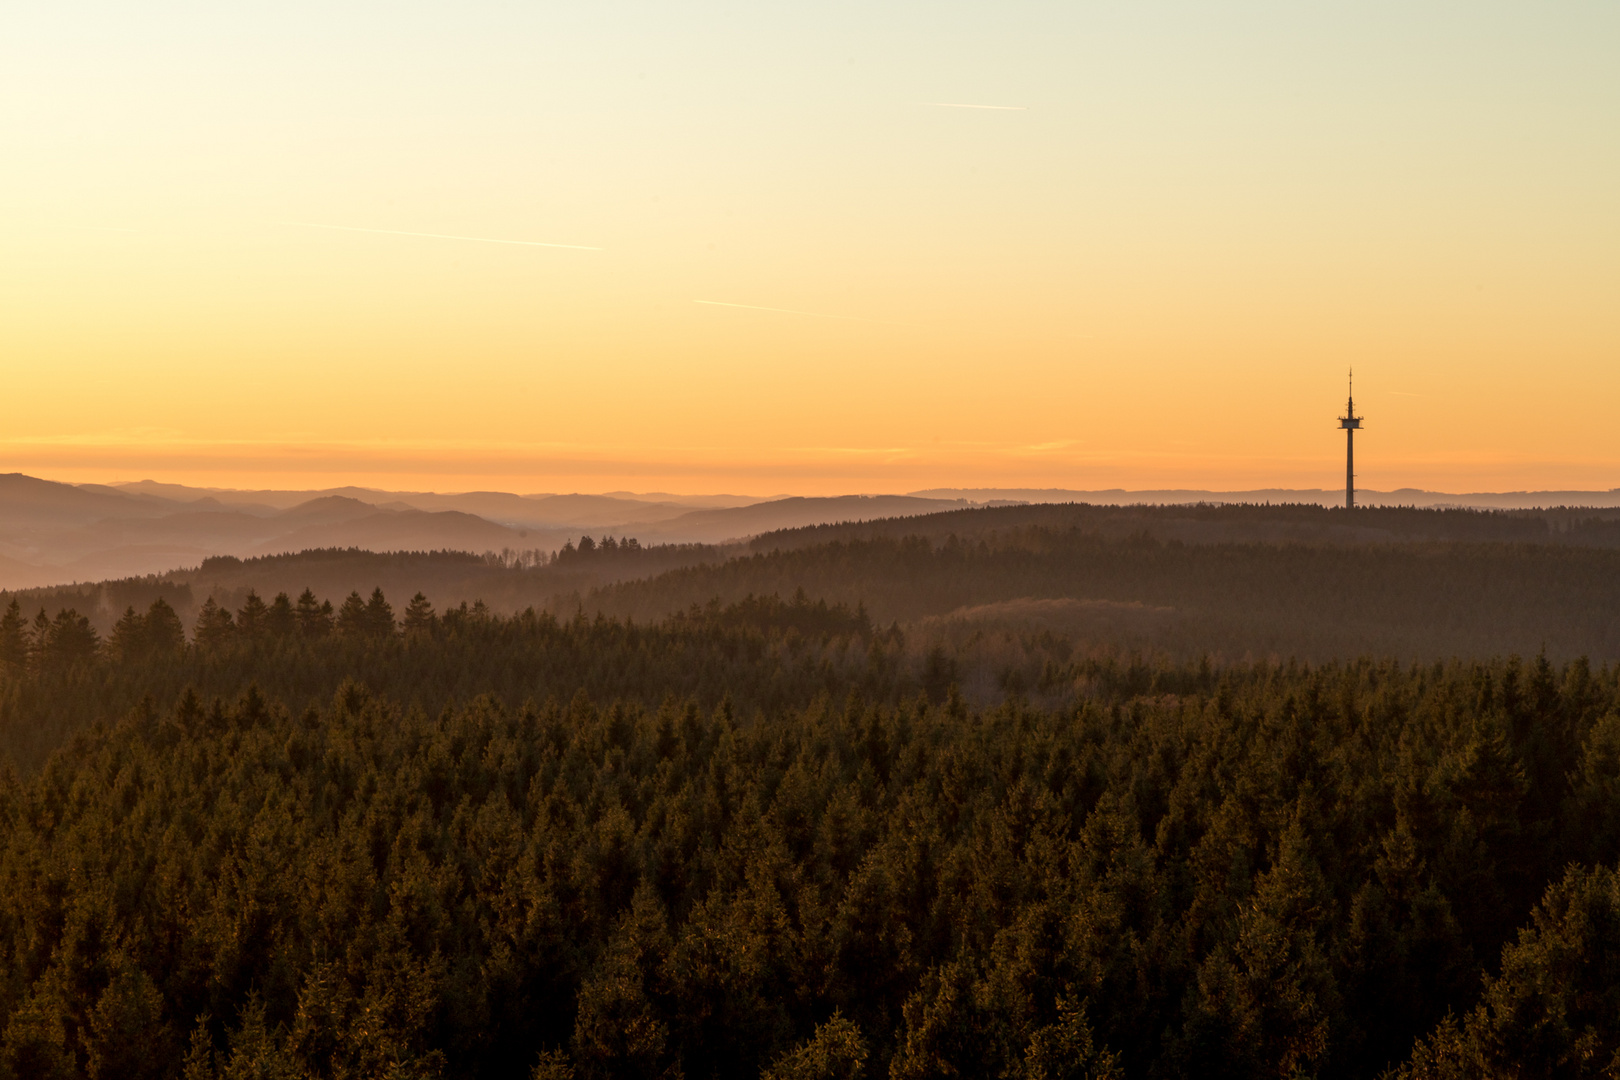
(1350, 422)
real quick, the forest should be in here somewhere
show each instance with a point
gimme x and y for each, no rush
(1419, 600)
(1235, 583)
(759, 817)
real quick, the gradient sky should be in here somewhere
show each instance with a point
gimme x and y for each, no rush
(1154, 272)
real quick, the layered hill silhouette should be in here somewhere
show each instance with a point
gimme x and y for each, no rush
(1021, 584)
(54, 533)
(57, 533)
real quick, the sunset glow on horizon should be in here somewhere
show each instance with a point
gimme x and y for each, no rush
(704, 248)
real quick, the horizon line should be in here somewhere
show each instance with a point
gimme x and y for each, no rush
(923, 492)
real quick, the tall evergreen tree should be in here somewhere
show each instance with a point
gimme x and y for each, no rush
(39, 639)
(129, 641)
(351, 617)
(314, 617)
(252, 617)
(71, 640)
(215, 627)
(14, 637)
(280, 622)
(379, 619)
(165, 633)
(419, 616)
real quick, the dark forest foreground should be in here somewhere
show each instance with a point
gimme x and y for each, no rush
(755, 840)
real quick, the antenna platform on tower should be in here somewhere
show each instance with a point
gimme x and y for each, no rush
(1350, 422)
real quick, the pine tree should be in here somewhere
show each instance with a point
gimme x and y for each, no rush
(279, 619)
(39, 639)
(129, 641)
(72, 639)
(379, 619)
(419, 617)
(14, 638)
(351, 617)
(251, 617)
(214, 627)
(314, 619)
(835, 1052)
(165, 633)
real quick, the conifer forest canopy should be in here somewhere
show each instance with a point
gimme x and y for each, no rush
(1031, 792)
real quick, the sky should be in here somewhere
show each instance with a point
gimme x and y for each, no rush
(302, 245)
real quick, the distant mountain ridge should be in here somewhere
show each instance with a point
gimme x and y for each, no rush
(1479, 500)
(616, 507)
(53, 533)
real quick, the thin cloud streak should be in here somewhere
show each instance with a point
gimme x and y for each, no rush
(794, 311)
(443, 236)
(998, 108)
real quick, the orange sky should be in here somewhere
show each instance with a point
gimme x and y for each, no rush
(1153, 274)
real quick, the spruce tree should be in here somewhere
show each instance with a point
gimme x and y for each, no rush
(314, 618)
(39, 639)
(14, 637)
(215, 627)
(251, 617)
(128, 642)
(165, 634)
(379, 615)
(279, 619)
(72, 639)
(419, 617)
(351, 617)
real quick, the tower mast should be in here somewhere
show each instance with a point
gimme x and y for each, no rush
(1350, 422)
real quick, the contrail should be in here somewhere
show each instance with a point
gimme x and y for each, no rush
(793, 311)
(444, 236)
(955, 105)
